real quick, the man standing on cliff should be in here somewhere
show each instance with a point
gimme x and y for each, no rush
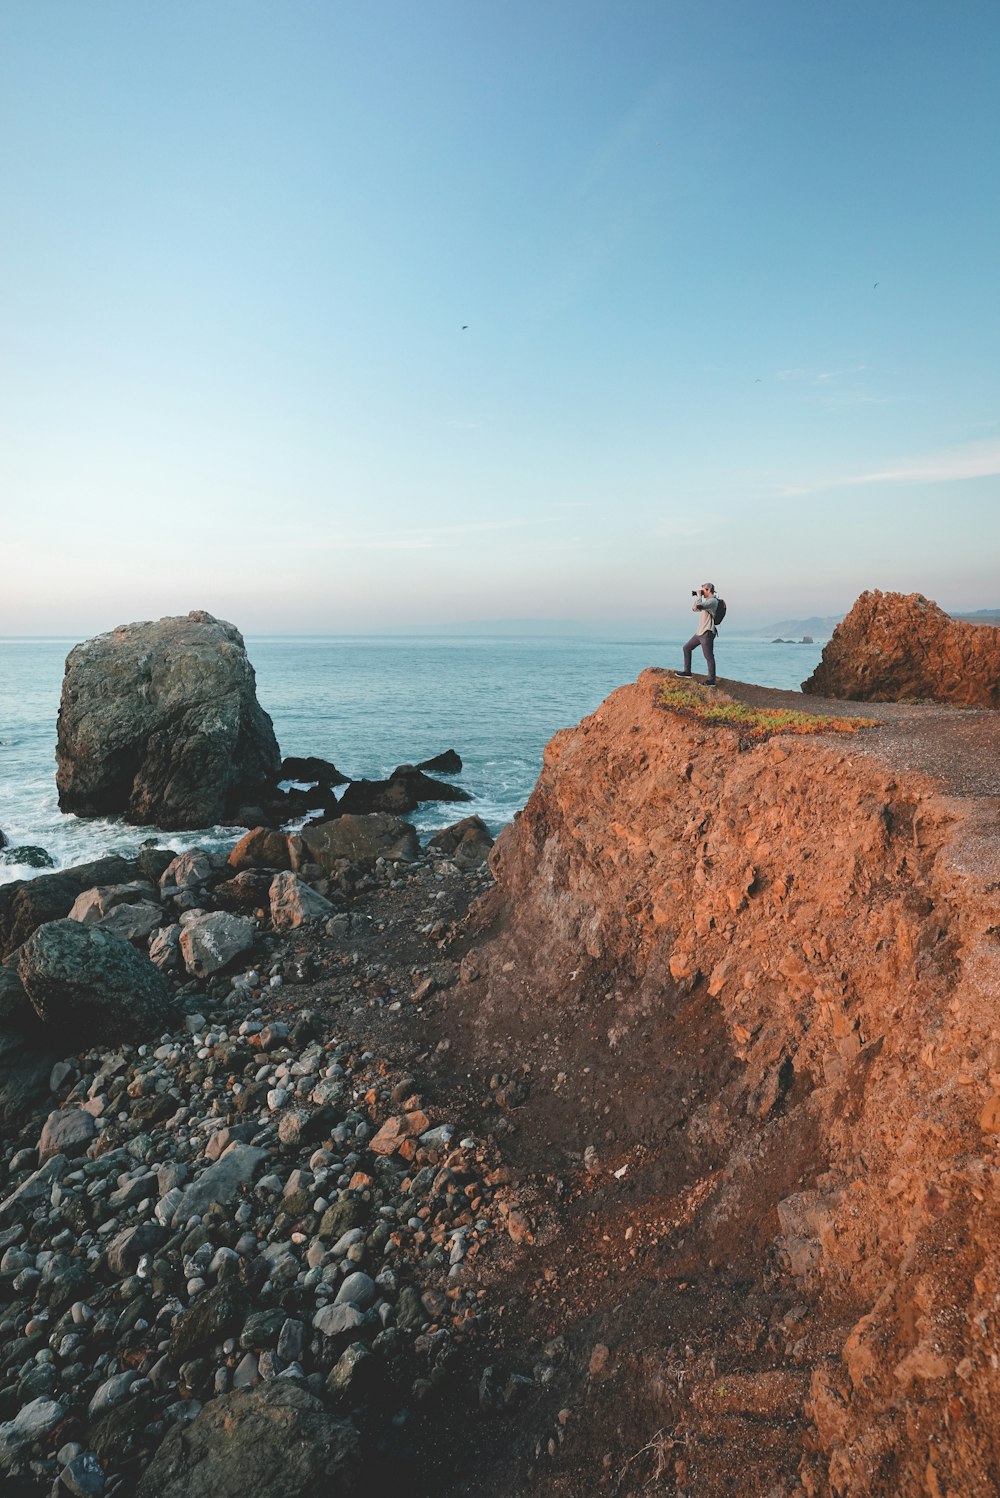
(706, 604)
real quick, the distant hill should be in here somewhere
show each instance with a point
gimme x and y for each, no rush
(981, 616)
(816, 626)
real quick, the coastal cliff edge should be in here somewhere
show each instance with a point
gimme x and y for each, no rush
(751, 993)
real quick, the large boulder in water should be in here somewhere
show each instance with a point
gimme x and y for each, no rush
(894, 647)
(160, 723)
(91, 985)
(402, 792)
(276, 1441)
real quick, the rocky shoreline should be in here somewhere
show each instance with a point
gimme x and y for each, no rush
(254, 1204)
(657, 1153)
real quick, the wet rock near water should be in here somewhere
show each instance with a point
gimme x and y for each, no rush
(29, 855)
(312, 770)
(403, 792)
(159, 723)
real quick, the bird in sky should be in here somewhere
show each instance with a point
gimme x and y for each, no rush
(876, 284)
(464, 326)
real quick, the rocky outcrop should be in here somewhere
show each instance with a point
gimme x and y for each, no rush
(159, 722)
(29, 856)
(403, 792)
(311, 769)
(781, 967)
(895, 647)
(448, 763)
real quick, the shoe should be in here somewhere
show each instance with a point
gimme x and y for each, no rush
(710, 683)
(682, 673)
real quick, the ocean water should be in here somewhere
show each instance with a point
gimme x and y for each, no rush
(368, 704)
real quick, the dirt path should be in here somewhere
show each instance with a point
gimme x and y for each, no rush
(957, 747)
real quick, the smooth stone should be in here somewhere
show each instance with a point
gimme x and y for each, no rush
(358, 1289)
(83, 1476)
(334, 1321)
(112, 1392)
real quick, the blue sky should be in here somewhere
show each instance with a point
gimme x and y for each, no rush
(240, 242)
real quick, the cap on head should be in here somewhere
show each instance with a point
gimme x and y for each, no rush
(709, 586)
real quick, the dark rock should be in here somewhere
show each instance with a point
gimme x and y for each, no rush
(25, 1067)
(27, 904)
(134, 923)
(275, 1441)
(15, 1006)
(402, 792)
(248, 892)
(447, 763)
(309, 768)
(160, 722)
(214, 1314)
(91, 984)
(63, 1281)
(115, 1434)
(361, 840)
(341, 1217)
(262, 1329)
(467, 842)
(32, 857)
(150, 863)
(351, 1375)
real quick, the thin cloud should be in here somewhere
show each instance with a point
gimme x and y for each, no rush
(976, 460)
(819, 377)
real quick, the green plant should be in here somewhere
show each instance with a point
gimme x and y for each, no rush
(754, 724)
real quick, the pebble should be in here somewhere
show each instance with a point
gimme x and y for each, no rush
(84, 1476)
(207, 1184)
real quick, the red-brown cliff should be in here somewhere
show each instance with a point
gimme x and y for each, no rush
(762, 987)
(894, 647)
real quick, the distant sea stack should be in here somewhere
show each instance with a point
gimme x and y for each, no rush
(898, 646)
(160, 723)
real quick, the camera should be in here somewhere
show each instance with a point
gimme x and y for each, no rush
(695, 592)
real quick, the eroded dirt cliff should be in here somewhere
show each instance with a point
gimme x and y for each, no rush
(742, 1010)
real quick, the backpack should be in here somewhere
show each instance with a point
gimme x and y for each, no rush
(720, 612)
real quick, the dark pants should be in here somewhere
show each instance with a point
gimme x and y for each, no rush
(707, 643)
